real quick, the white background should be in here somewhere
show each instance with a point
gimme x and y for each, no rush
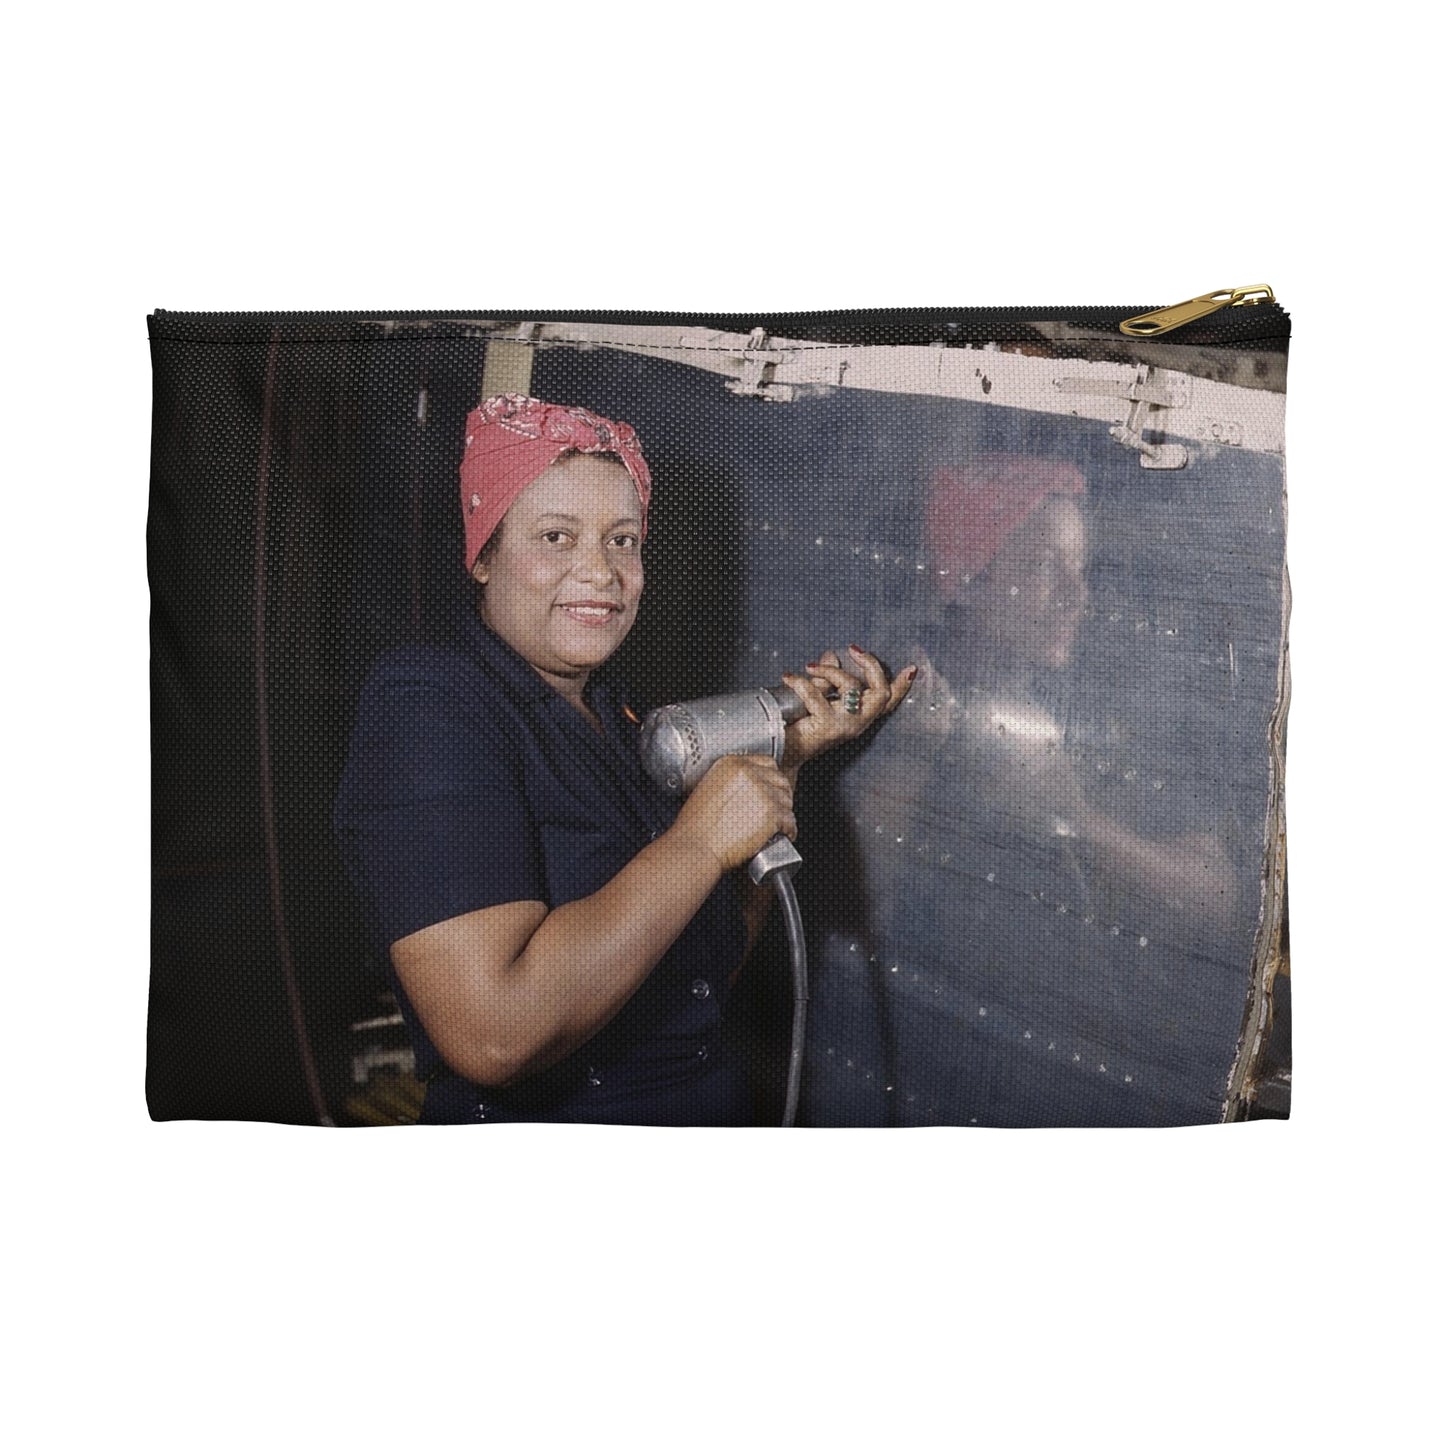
(220, 1282)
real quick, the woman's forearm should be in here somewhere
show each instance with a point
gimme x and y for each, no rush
(588, 957)
(1188, 875)
(508, 990)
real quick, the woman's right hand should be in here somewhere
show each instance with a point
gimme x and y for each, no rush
(741, 804)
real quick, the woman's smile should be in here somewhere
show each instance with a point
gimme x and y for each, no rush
(592, 614)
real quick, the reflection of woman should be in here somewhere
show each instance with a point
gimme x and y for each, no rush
(1051, 960)
(1009, 546)
(562, 934)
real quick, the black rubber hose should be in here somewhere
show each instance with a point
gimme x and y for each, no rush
(797, 946)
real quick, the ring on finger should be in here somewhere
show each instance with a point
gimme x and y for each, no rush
(852, 700)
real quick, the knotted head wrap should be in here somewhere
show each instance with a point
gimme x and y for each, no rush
(512, 440)
(975, 508)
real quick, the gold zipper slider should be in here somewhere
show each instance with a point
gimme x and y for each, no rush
(1152, 323)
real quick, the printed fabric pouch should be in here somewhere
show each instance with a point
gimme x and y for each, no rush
(858, 718)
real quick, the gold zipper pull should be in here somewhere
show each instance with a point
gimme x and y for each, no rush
(1152, 323)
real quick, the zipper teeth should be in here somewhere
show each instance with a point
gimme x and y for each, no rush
(1265, 323)
(562, 313)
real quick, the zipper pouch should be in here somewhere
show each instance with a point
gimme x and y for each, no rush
(860, 718)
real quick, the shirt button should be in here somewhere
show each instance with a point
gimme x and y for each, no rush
(702, 1052)
(701, 988)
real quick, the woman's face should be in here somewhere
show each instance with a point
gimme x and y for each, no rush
(1032, 595)
(563, 584)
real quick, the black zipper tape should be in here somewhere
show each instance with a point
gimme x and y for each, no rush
(1265, 325)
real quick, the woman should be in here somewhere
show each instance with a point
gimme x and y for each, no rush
(1010, 547)
(561, 932)
(1065, 943)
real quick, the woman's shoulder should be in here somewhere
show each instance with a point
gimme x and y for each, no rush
(424, 688)
(426, 729)
(440, 667)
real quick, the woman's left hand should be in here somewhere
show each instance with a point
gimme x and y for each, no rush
(871, 697)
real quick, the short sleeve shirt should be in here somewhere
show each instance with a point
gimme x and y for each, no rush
(470, 783)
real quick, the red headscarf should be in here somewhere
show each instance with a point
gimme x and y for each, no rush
(975, 508)
(512, 440)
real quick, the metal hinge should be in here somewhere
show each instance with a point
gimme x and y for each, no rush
(758, 370)
(1148, 394)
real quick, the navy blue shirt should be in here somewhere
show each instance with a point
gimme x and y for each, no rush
(471, 782)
